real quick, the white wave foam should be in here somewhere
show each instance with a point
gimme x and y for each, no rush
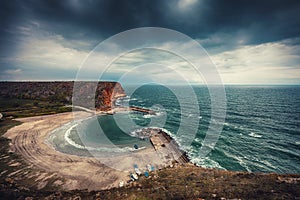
(206, 163)
(242, 163)
(188, 115)
(268, 164)
(69, 140)
(126, 98)
(106, 149)
(147, 116)
(137, 132)
(157, 114)
(239, 159)
(255, 135)
(198, 140)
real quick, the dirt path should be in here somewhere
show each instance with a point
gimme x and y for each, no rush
(28, 139)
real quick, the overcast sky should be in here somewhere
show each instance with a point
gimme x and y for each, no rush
(250, 42)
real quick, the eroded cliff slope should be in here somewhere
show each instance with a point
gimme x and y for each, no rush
(103, 94)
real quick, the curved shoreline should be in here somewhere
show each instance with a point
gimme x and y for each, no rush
(30, 140)
(73, 172)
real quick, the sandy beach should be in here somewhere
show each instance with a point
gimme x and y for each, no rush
(29, 140)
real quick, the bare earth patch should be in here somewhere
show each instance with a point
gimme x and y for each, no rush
(29, 140)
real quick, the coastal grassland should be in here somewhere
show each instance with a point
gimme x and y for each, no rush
(15, 107)
(19, 180)
(6, 124)
(190, 182)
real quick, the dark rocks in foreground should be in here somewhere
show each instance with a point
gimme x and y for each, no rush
(181, 182)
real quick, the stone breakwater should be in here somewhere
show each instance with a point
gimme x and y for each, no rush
(166, 147)
(143, 110)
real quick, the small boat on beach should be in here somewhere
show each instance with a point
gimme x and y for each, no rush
(136, 169)
(134, 176)
(149, 168)
(146, 174)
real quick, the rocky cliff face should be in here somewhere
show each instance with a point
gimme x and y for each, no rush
(107, 93)
(104, 93)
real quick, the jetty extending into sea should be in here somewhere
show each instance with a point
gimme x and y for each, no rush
(166, 147)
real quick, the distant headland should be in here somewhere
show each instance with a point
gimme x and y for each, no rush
(106, 92)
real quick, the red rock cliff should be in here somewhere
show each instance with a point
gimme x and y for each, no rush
(105, 92)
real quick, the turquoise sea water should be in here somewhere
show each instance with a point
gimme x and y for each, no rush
(261, 132)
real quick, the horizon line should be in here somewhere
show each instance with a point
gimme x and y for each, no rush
(153, 83)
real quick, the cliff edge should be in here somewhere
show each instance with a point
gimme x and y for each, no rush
(105, 92)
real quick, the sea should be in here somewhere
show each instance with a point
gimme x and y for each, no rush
(260, 130)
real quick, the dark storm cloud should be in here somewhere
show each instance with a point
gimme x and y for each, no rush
(8, 16)
(80, 25)
(259, 21)
(93, 18)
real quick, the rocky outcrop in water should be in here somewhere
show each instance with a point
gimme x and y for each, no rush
(104, 93)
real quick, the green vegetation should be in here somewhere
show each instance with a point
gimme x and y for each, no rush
(186, 182)
(13, 107)
(18, 180)
(6, 124)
